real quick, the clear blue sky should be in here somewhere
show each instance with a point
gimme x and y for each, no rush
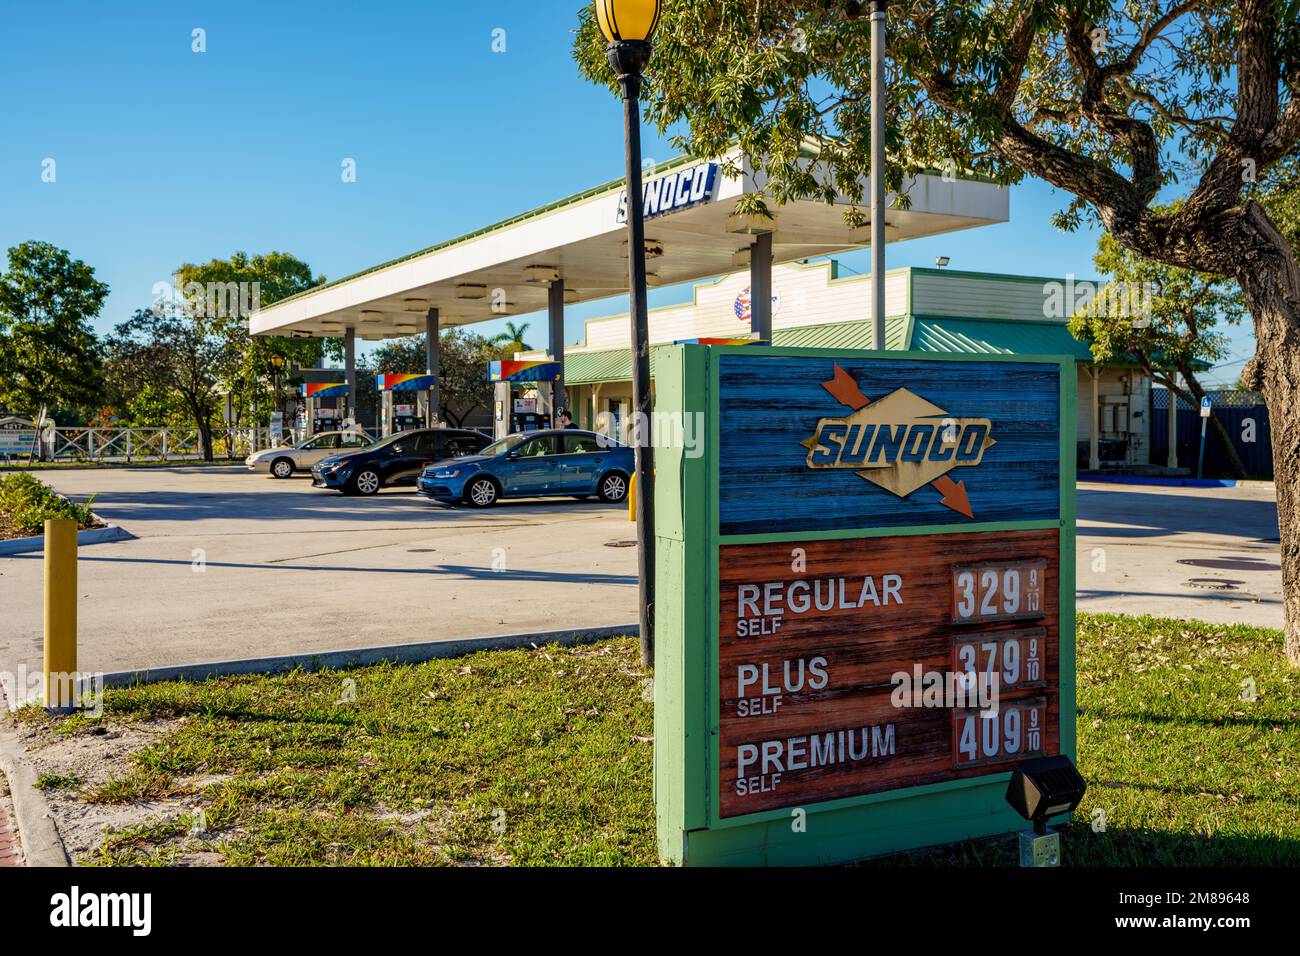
(166, 156)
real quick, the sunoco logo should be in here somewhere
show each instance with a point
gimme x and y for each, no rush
(900, 442)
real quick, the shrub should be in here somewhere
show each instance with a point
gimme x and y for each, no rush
(28, 503)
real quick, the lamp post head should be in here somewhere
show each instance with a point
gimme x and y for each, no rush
(627, 20)
(628, 26)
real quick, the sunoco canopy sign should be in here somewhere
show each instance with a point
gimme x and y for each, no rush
(692, 186)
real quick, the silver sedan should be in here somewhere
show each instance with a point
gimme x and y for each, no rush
(283, 462)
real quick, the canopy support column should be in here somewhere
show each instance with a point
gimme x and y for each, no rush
(433, 366)
(555, 327)
(350, 374)
(760, 286)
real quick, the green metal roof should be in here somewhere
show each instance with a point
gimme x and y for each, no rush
(991, 337)
(842, 335)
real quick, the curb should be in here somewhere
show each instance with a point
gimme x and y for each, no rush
(42, 845)
(1160, 482)
(362, 656)
(90, 536)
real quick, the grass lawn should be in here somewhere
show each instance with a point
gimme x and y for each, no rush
(544, 757)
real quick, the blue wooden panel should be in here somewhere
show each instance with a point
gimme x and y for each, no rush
(770, 404)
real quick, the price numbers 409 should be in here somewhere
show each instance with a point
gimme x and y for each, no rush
(1016, 730)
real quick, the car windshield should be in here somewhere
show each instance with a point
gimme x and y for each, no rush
(384, 442)
(504, 445)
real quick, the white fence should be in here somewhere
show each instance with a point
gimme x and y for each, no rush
(115, 444)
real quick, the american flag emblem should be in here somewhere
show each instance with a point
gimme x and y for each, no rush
(743, 306)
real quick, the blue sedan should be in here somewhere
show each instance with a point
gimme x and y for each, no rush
(560, 462)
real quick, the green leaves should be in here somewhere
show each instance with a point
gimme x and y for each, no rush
(1162, 315)
(26, 503)
(49, 354)
(1110, 100)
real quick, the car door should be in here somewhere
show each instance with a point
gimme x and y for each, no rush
(407, 456)
(533, 467)
(320, 447)
(580, 463)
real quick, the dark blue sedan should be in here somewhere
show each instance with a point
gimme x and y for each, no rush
(554, 463)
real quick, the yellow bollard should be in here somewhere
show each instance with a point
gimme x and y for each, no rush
(631, 497)
(60, 613)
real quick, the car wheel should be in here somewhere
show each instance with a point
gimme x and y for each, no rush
(367, 482)
(613, 487)
(282, 468)
(482, 492)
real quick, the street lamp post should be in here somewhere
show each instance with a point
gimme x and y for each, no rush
(628, 26)
(878, 13)
(277, 363)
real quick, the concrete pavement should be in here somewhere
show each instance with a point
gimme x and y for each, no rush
(1205, 553)
(228, 564)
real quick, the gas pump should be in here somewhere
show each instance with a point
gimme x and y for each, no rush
(525, 414)
(327, 420)
(408, 416)
(404, 399)
(320, 416)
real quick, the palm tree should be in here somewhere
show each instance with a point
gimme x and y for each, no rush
(514, 335)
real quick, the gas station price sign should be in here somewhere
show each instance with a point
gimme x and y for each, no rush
(865, 599)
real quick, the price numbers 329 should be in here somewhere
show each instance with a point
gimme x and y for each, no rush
(998, 591)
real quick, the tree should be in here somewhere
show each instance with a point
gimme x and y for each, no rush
(514, 336)
(176, 356)
(49, 353)
(1110, 101)
(1163, 317)
(222, 293)
(463, 382)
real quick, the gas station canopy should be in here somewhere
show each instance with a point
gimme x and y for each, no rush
(692, 232)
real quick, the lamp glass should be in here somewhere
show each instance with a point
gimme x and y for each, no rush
(627, 19)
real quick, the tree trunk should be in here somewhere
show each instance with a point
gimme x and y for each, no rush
(1270, 284)
(205, 438)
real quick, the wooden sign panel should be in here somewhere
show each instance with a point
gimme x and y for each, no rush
(841, 662)
(864, 603)
(883, 443)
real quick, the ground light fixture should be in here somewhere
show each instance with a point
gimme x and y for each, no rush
(1039, 789)
(628, 26)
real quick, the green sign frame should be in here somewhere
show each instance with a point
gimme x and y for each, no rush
(687, 693)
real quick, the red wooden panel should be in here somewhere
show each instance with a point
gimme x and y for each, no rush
(810, 638)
